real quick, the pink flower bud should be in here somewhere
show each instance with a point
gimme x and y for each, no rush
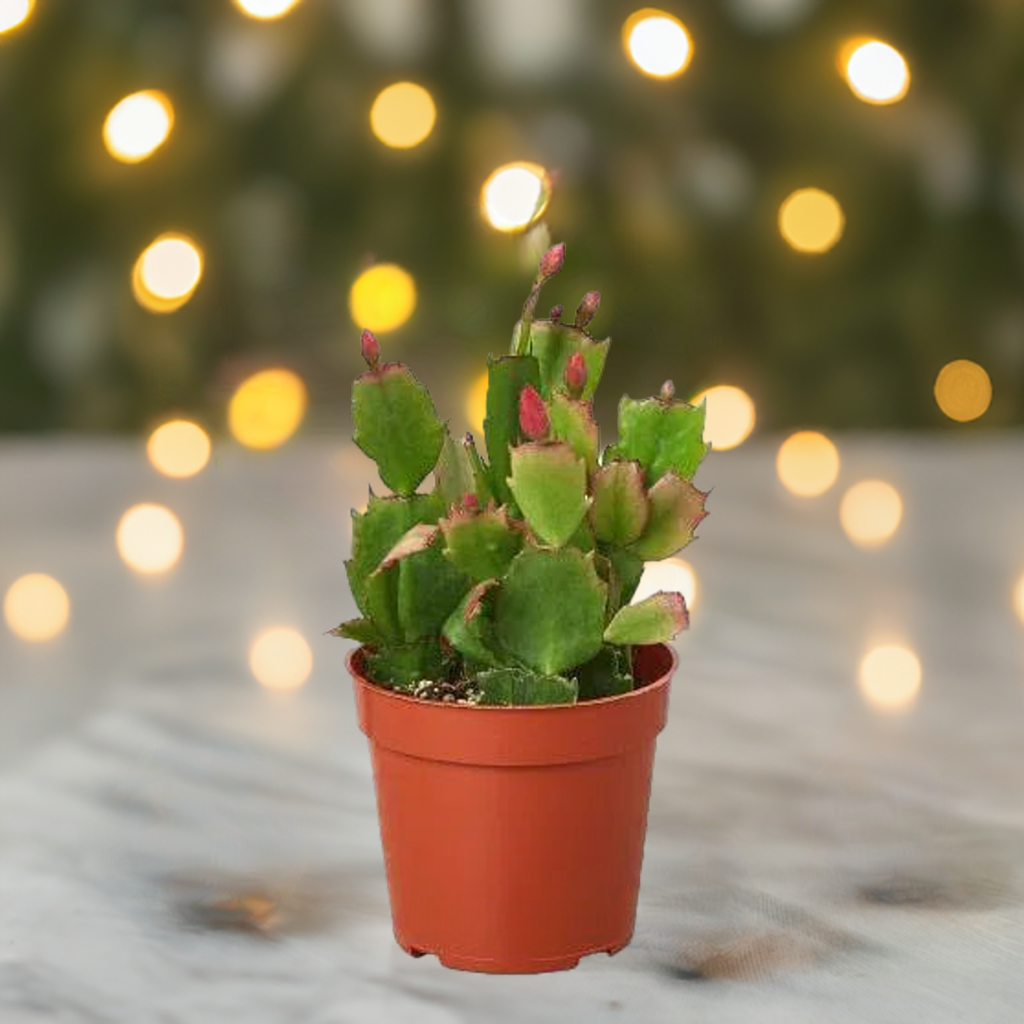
(667, 393)
(470, 502)
(587, 308)
(371, 349)
(551, 262)
(576, 374)
(556, 314)
(533, 414)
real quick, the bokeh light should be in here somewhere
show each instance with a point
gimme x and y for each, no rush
(1018, 598)
(167, 273)
(382, 298)
(36, 607)
(875, 71)
(13, 13)
(963, 390)
(657, 43)
(671, 574)
(476, 405)
(267, 408)
(138, 125)
(807, 463)
(150, 538)
(730, 416)
(811, 220)
(265, 10)
(280, 658)
(871, 512)
(179, 448)
(890, 677)
(515, 195)
(403, 115)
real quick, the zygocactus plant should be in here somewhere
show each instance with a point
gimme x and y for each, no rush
(510, 581)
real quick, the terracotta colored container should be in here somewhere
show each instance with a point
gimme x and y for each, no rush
(513, 837)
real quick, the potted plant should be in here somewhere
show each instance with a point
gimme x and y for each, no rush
(510, 692)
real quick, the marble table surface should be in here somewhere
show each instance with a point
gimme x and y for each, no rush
(178, 844)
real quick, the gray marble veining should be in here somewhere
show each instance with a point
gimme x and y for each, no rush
(178, 844)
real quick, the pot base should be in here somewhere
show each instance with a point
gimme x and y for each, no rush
(482, 965)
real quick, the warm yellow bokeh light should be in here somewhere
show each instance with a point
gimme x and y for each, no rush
(890, 677)
(875, 71)
(36, 607)
(807, 463)
(963, 390)
(179, 448)
(671, 574)
(265, 10)
(730, 416)
(403, 115)
(382, 298)
(870, 512)
(150, 538)
(167, 273)
(515, 195)
(280, 658)
(138, 125)
(13, 13)
(657, 43)
(1018, 598)
(267, 408)
(476, 404)
(811, 220)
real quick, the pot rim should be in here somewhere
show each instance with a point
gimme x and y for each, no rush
(354, 659)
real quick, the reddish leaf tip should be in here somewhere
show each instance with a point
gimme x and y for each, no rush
(587, 308)
(551, 262)
(576, 374)
(556, 314)
(370, 347)
(533, 414)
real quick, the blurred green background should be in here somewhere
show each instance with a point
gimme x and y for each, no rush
(666, 191)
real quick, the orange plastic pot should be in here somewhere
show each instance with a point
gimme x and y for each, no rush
(513, 837)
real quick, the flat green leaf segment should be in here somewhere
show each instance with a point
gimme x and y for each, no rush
(404, 585)
(396, 425)
(401, 665)
(377, 530)
(506, 377)
(519, 686)
(627, 568)
(470, 628)
(676, 509)
(549, 484)
(361, 630)
(653, 621)
(429, 588)
(606, 674)
(553, 344)
(663, 437)
(481, 545)
(573, 422)
(620, 509)
(454, 475)
(549, 611)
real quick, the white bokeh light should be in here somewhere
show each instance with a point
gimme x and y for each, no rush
(514, 196)
(657, 43)
(877, 73)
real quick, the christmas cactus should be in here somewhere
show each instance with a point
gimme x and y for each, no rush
(510, 581)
